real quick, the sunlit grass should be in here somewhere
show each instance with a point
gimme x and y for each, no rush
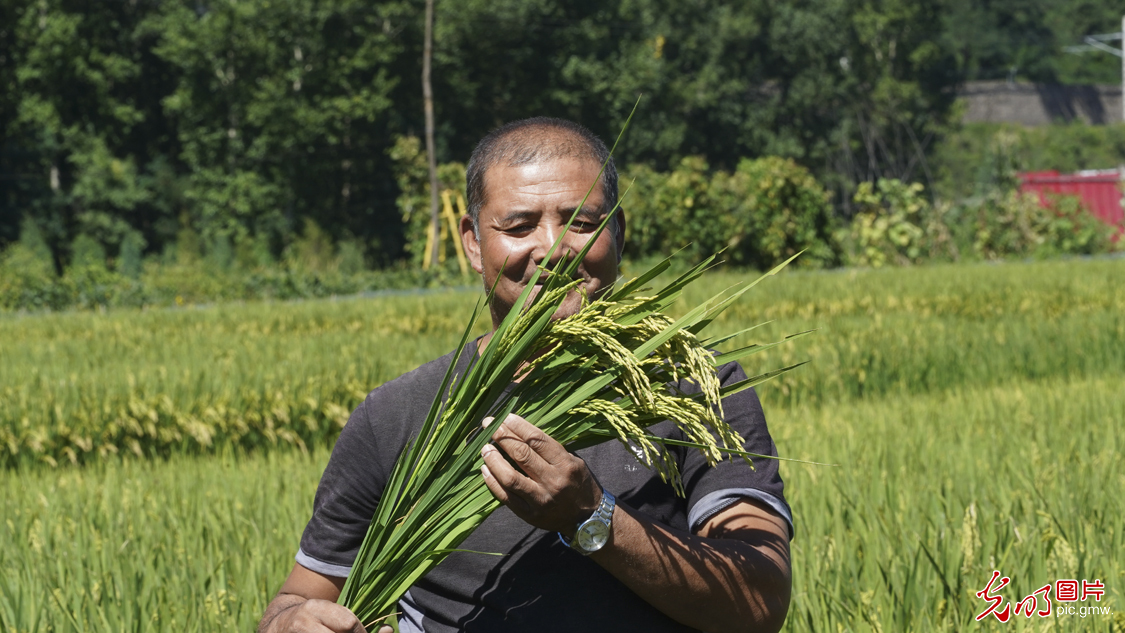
(974, 413)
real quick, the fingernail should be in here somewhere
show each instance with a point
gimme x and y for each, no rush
(487, 450)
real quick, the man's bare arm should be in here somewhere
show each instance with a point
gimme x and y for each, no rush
(307, 603)
(733, 576)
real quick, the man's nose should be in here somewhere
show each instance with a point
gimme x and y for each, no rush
(548, 234)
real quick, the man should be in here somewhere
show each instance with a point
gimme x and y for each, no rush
(716, 561)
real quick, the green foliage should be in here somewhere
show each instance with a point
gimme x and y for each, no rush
(27, 273)
(787, 212)
(895, 224)
(350, 259)
(27, 280)
(888, 224)
(245, 116)
(668, 211)
(31, 238)
(765, 212)
(188, 248)
(86, 252)
(312, 251)
(1025, 39)
(279, 106)
(106, 189)
(895, 64)
(86, 115)
(239, 119)
(130, 257)
(1015, 224)
(220, 253)
(1071, 229)
(252, 115)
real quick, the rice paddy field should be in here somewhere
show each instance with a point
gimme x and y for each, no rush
(157, 467)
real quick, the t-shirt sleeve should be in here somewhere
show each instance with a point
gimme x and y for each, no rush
(348, 493)
(712, 489)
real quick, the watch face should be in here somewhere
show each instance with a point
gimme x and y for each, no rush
(592, 535)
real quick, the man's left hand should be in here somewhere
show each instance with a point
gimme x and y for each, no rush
(544, 484)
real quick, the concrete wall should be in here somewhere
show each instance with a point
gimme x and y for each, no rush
(1040, 104)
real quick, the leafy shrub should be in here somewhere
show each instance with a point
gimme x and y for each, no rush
(1021, 224)
(27, 273)
(130, 258)
(92, 286)
(766, 211)
(86, 251)
(27, 281)
(669, 211)
(783, 211)
(895, 224)
(887, 226)
(313, 251)
(349, 257)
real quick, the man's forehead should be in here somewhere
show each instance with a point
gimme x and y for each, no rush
(542, 170)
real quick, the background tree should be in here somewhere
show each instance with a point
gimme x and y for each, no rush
(228, 125)
(281, 111)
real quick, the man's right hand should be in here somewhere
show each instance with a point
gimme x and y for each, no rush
(317, 616)
(306, 603)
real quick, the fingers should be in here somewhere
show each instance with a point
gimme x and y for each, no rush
(544, 485)
(510, 487)
(494, 486)
(323, 616)
(530, 448)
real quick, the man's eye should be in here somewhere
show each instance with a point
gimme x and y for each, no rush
(520, 229)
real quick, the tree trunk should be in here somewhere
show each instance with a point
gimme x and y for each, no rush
(428, 101)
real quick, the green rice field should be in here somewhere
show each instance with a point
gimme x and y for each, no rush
(158, 466)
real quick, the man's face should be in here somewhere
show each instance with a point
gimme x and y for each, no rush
(526, 209)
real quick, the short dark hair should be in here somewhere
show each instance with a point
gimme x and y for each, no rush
(530, 141)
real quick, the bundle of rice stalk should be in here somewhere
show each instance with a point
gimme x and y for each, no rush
(602, 374)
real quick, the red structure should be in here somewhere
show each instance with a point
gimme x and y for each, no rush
(1099, 189)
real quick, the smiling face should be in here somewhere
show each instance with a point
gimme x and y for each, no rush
(526, 209)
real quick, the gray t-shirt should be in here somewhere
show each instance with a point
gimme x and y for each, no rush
(538, 584)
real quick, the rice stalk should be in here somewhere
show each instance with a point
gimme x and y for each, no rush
(598, 375)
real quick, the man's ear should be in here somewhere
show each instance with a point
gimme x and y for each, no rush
(619, 234)
(471, 243)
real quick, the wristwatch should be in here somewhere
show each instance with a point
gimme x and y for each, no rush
(593, 533)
